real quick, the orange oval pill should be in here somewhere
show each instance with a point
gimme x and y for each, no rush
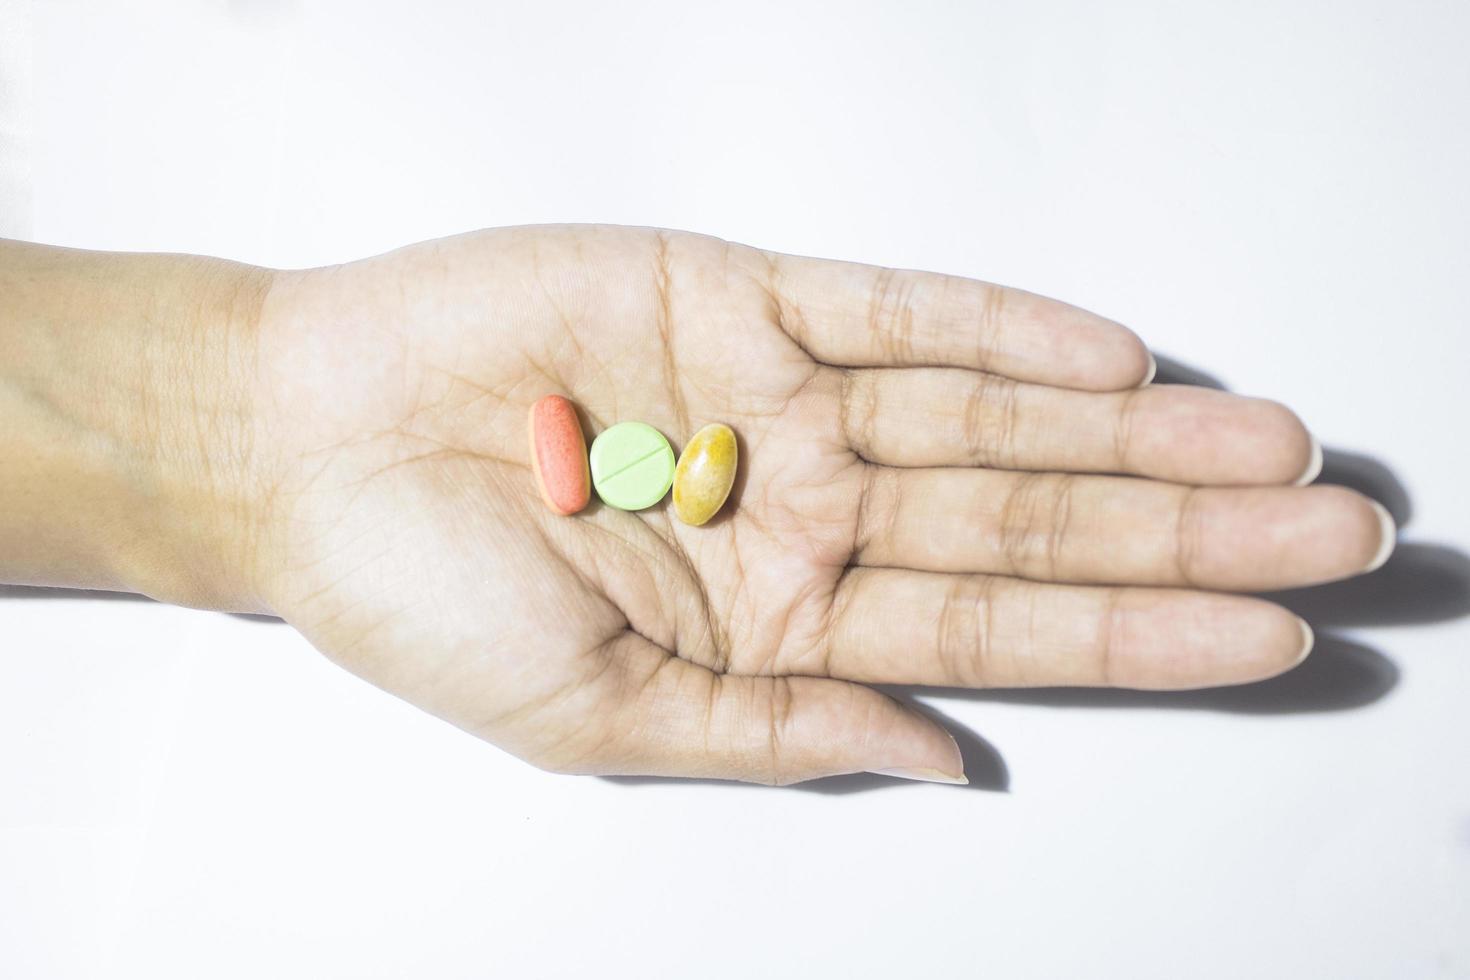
(559, 455)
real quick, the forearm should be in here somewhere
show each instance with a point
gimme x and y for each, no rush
(126, 437)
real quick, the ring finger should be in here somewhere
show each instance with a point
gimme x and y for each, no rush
(1118, 530)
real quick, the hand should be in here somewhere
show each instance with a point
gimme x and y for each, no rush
(920, 501)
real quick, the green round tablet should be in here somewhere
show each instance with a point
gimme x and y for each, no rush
(632, 466)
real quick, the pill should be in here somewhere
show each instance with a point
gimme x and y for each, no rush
(559, 455)
(632, 466)
(705, 473)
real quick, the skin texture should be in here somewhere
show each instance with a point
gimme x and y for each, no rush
(940, 482)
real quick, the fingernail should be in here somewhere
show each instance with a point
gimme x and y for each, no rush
(1314, 468)
(1390, 536)
(924, 775)
(1309, 640)
(1153, 369)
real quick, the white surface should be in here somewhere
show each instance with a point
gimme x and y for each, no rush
(1277, 196)
(15, 118)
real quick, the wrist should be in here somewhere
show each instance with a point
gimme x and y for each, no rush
(128, 392)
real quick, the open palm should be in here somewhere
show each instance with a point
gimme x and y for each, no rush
(920, 500)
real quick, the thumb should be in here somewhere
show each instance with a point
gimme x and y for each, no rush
(681, 719)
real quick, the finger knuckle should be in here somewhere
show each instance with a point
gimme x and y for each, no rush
(1123, 428)
(1112, 627)
(990, 415)
(995, 310)
(1035, 521)
(780, 716)
(858, 402)
(1189, 532)
(891, 313)
(964, 645)
(880, 504)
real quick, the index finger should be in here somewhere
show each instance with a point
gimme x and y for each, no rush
(855, 315)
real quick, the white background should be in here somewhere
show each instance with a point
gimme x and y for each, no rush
(1275, 193)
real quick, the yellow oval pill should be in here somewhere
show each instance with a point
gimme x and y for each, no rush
(705, 473)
